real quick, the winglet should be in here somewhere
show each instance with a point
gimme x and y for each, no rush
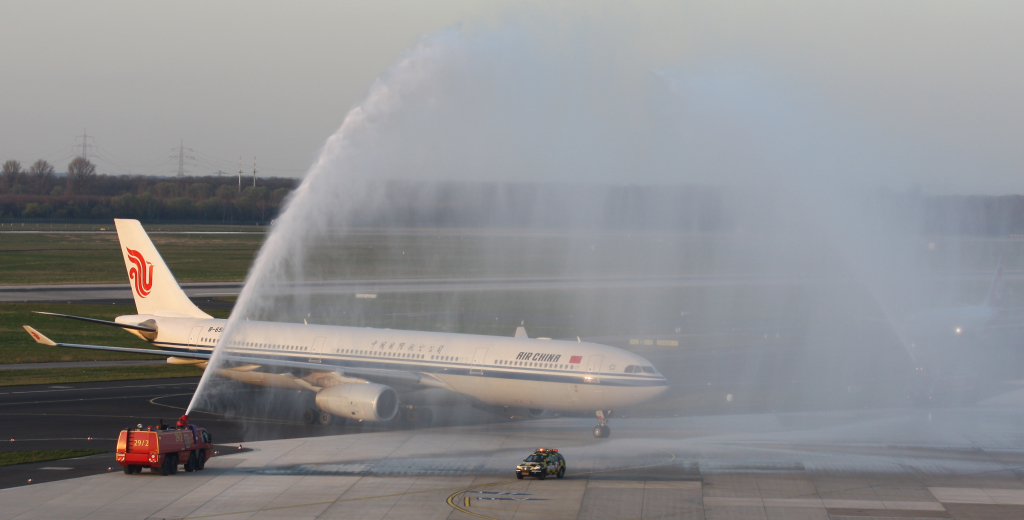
(36, 335)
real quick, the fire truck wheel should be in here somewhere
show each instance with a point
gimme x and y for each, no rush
(324, 418)
(129, 469)
(190, 466)
(174, 464)
(309, 416)
(138, 469)
(201, 461)
(165, 468)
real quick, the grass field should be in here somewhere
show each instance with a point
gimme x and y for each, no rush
(48, 376)
(202, 253)
(700, 317)
(17, 347)
(9, 458)
(107, 226)
(55, 258)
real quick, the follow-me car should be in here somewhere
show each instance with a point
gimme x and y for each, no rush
(543, 462)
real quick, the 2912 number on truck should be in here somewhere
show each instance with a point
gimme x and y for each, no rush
(162, 448)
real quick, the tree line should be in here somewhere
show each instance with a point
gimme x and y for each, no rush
(80, 193)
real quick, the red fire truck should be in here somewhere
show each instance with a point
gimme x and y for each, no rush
(162, 448)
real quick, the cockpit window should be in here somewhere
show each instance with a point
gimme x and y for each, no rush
(632, 368)
(649, 370)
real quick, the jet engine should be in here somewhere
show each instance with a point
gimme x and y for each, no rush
(359, 401)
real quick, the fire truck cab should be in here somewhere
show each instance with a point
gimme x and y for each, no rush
(162, 448)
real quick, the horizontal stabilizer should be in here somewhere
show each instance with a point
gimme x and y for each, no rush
(131, 326)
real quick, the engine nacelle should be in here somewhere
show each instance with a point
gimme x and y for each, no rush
(359, 401)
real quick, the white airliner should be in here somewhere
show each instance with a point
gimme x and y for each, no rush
(949, 346)
(947, 324)
(367, 374)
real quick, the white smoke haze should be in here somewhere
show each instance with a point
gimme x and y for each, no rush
(589, 165)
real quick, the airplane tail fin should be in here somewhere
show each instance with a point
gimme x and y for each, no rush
(995, 294)
(153, 285)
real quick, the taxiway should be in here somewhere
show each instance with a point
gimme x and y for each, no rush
(888, 463)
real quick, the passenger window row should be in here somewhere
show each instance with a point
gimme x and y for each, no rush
(404, 355)
(534, 364)
(269, 346)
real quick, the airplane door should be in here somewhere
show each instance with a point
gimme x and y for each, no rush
(193, 337)
(594, 369)
(316, 349)
(478, 361)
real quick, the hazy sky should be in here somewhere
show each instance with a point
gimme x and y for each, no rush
(927, 91)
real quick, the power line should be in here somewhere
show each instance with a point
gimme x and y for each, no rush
(212, 159)
(181, 158)
(85, 144)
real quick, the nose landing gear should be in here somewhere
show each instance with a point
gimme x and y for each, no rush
(602, 430)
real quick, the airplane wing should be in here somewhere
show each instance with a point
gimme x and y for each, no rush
(370, 374)
(43, 340)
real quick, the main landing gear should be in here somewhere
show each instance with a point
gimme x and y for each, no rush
(314, 416)
(414, 416)
(602, 430)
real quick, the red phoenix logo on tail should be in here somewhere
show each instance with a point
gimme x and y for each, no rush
(142, 279)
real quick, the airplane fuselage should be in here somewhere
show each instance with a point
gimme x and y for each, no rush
(498, 371)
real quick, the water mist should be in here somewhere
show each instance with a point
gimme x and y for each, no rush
(698, 211)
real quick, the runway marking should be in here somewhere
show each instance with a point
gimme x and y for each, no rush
(97, 388)
(147, 417)
(952, 495)
(78, 400)
(521, 499)
(327, 503)
(70, 439)
(451, 498)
